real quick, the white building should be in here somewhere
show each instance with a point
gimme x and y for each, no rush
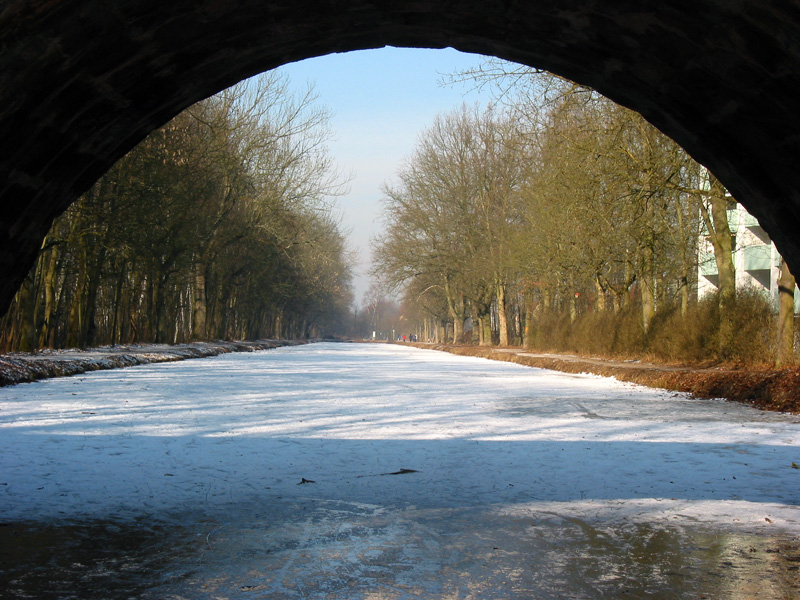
(755, 258)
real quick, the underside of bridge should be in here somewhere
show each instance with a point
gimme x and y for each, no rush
(82, 81)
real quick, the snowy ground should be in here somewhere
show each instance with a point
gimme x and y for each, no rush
(381, 471)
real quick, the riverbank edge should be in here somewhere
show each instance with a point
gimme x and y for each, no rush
(773, 389)
(28, 367)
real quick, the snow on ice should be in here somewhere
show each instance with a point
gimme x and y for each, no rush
(388, 425)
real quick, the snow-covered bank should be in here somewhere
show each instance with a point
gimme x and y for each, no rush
(26, 367)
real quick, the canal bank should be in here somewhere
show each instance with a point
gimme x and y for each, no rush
(24, 367)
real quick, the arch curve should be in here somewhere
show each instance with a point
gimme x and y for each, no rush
(82, 81)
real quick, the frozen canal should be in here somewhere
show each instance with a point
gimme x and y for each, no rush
(387, 472)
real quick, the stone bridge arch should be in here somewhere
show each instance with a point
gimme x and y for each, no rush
(82, 81)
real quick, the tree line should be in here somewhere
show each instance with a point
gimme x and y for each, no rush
(558, 219)
(215, 226)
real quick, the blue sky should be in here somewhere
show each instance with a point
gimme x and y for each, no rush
(381, 100)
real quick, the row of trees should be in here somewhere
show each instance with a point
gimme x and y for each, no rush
(553, 204)
(216, 226)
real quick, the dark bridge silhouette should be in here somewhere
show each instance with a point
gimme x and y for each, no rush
(82, 81)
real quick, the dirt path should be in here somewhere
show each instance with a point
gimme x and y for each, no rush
(769, 389)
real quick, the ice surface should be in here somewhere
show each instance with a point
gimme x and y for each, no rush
(248, 429)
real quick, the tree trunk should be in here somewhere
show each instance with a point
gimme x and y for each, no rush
(457, 309)
(786, 284)
(532, 314)
(573, 308)
(199, 308)
(27, 333)
(484, 330)
(160, 312)
(647, 274)
(723, 250)
(118, 308)
(648, 303)
(46, 335)
(625, 293)
(684, 295)
(722, 241)
(458, 330)
(600, 301)
(76, 313)
(502, 315)
(89, 331)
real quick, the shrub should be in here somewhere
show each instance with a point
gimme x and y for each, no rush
(753, 322)
(693, 337)
(685, 338)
